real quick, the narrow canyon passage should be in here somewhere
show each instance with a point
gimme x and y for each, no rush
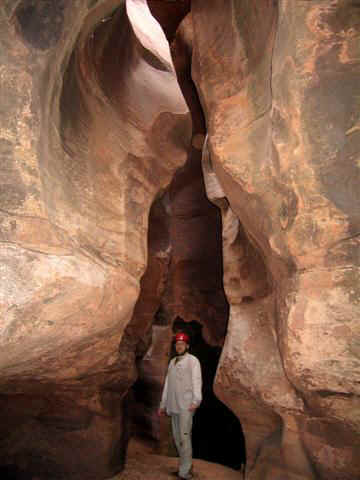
(185, 270)
(177, 164)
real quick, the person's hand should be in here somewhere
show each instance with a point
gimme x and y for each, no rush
(161, 412)
(193, 407)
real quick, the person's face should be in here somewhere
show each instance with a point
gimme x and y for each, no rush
(180, 347)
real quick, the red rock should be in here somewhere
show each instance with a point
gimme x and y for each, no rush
(107, 234)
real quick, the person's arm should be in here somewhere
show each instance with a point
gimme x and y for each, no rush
(161, 410)
(196, 384)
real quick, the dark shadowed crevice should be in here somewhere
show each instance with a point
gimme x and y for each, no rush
(188, 284)
(194, 290)
(40, 22)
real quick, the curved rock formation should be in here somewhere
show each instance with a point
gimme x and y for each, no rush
(95, 127)
(278, 84)
(106, 234)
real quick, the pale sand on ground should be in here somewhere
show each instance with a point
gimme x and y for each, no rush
(141, 464)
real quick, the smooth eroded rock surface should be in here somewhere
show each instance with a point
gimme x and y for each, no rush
(213, 185)
(279, 92)
(94, 125)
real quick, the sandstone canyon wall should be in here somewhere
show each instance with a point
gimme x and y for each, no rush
(279, 84)
(88, 139)
(98, 231)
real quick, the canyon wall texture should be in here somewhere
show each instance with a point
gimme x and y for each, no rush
(279, 85)
(106, 234)
(93, 127)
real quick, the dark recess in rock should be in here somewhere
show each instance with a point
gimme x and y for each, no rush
(41, 22)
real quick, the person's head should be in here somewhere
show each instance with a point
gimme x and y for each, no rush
(181, 343)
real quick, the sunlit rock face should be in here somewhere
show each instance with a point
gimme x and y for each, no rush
(279, 87)
(93, 127)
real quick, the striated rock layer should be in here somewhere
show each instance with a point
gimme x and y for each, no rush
(94, 126)
(106, 234)
(279, 87)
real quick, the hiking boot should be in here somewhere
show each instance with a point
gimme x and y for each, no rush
(189, 476)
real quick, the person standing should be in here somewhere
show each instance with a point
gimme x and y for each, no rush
(181, 396)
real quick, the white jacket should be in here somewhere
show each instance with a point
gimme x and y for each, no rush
(183, 384)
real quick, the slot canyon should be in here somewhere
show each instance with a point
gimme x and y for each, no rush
(179, 165)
